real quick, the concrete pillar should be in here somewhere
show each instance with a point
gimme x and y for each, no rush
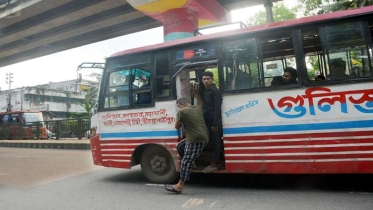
(179, 24)
(268, 5)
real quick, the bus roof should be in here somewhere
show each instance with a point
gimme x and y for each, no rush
(281, 24)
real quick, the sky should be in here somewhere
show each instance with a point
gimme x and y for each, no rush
(63, 65)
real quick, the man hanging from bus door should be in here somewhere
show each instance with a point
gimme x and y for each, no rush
(212, 100)
(191, 147)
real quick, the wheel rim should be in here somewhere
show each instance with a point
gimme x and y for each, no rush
(158, 163)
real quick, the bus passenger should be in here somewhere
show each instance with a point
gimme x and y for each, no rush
(123, 100)
(338, 69)
(290, 76)
(320, 77)
(212, 109)
(190, 148)
(145, 97)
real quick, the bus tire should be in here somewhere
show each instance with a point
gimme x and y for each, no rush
(157, 165)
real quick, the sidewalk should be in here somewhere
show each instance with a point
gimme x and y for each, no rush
(65, 143)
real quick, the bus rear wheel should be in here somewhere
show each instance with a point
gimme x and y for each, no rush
(157, 165)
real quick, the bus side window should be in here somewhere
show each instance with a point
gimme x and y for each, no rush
(240, 65)
(144, 93)
(13, 118)
(346, 53)
(277, 54)
(162, 87)
(118, 89)
(5, 119)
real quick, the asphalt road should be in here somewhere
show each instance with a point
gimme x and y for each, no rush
(66, 179)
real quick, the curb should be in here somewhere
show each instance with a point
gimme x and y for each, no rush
(77, 146)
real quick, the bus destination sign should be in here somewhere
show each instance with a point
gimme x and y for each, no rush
(195, 53)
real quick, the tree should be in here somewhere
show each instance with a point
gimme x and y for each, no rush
(280, 12)
(88, 108)
(92, 92)
(313, 7)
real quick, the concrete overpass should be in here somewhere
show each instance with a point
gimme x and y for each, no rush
(34, 28)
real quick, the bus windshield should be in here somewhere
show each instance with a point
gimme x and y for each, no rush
(32, 117)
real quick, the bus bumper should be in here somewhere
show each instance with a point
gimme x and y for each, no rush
(104, 156)
(96, 150)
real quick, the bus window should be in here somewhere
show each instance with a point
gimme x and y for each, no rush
(118, 89)
(277, 54)
(128, 88)
(240, 65)
(29, 118)
(271, 70)
(346, 52)
(5, 119)
(14, 118)
(163, 76)
(144, 93)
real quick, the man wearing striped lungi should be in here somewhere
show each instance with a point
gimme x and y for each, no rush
(190, 148)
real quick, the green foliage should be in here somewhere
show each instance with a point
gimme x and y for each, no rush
(91, 95)
(311, 74)
(314, 61)
(75, 115)
(280, 12)
(313, 7)
(88, 107)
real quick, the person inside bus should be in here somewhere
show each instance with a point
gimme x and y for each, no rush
(290, 76)
(319, 78)
(338, 69)
(277, 80)
(190, 148)
(124, 99)
(212, 109)
(145, 97)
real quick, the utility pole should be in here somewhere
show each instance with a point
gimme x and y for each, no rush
(9, 80)
(22, 99)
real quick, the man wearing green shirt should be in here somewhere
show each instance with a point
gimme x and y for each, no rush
(190, 148)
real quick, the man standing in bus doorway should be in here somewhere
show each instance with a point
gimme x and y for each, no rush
(190, 148)
(212, 112)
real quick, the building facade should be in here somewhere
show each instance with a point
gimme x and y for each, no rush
(57, 100)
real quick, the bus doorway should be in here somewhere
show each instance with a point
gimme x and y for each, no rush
(189, 85)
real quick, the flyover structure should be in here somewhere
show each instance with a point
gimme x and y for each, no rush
(34, 28)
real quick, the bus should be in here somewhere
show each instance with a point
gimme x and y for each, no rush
(316, 126)
(22, 125)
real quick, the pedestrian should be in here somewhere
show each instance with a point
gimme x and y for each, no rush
(190, 148)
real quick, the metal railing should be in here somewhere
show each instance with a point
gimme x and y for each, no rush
(70, 128)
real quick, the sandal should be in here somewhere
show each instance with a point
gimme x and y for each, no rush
(171, 188)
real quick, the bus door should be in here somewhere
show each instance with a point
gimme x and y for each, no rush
(187, 77)
(189, 74)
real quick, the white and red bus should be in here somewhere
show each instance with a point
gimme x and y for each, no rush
(22, 125)
(323, 124)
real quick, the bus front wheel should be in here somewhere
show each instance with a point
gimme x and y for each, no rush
(157, 165)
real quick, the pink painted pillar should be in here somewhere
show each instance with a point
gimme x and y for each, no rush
(179, 24)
